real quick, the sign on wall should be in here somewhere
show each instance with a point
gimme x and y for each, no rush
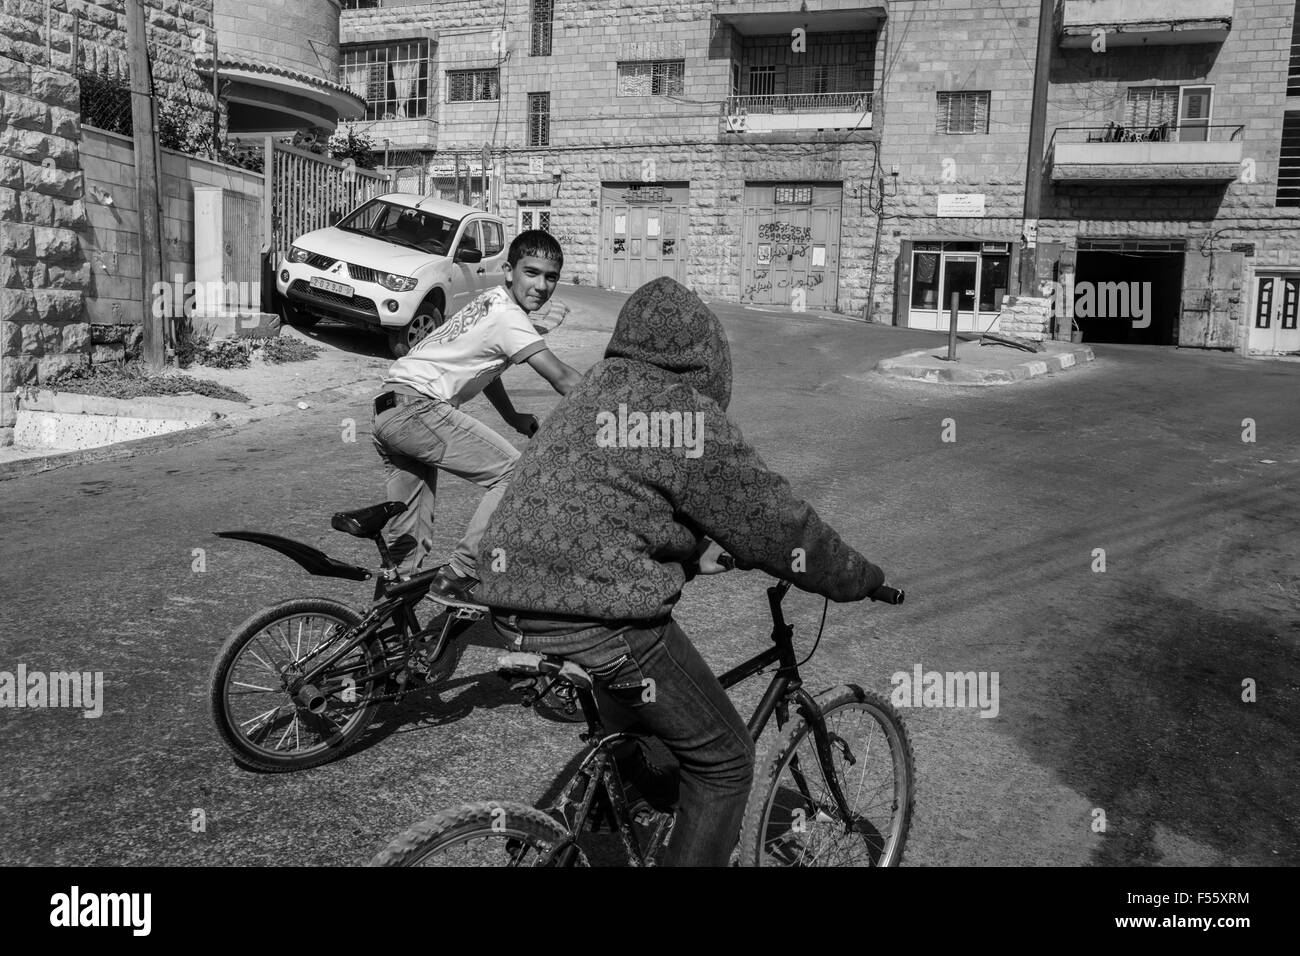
(961, 205)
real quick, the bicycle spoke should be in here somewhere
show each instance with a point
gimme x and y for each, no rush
(255, 687)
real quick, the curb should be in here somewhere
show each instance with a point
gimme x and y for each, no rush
(26, 467)
(225, 425)
(904, 367)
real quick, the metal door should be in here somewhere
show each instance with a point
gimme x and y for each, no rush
(791, 245)
(643, 234)
(1273, 327)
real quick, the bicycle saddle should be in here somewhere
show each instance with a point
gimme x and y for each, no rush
(366, 522)
(524, 664)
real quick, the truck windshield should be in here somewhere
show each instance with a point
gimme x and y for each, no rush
(403, 225)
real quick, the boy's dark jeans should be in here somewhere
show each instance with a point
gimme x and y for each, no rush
(652, 679)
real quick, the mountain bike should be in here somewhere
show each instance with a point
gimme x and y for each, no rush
(835, 786)
(297, 684)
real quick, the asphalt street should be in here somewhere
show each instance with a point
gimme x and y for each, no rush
(1120, 691)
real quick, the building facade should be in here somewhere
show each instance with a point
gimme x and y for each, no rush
(869, 157)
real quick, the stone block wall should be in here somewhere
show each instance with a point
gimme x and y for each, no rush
(95, 32)
(44, 274)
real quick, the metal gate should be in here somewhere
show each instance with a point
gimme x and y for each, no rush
(791, 241)
(642, 233)
(306, 191)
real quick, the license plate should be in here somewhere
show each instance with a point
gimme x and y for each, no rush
(329, 285)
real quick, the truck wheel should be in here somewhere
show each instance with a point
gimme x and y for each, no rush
(427, 318)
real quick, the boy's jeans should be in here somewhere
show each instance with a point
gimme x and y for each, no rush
(654, 679)
(418, 438)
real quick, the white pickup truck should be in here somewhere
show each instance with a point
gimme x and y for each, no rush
(399, 263)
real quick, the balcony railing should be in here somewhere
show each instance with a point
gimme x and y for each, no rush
(1115, 153)
(800, 103)
(1164, 133)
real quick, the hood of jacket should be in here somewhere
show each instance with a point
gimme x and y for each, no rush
(665, 324)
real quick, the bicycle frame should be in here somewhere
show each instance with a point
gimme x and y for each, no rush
(395, 599)
(598, 764)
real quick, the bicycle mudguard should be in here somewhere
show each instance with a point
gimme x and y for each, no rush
(315, 561)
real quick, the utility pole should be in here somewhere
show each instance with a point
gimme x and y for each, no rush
(148, 198)
(1034, 162)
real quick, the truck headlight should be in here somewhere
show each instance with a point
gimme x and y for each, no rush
(396, 283)
(298, 254)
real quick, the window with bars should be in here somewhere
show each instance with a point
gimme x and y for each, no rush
(793, 195)
(393, 78)
(360, 4)
(543, 12)
(963, 112)
(1150, 106)
(762, 81)
(469, 86)
(1288, 166)
(539, 119)
(824, 78)
(652, 78)
(1293, 74)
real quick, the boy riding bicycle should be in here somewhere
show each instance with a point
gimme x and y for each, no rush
(609, 513)
(419, 429)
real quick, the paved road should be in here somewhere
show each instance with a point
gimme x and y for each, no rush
(1119, 691)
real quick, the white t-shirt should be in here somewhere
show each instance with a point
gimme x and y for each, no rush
(458, 360)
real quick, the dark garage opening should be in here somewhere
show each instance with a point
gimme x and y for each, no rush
(1159, 301)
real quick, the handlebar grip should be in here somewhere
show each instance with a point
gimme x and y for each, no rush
(887, 595)
(732, 563)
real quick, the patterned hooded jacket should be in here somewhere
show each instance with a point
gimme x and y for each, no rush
(638, 462)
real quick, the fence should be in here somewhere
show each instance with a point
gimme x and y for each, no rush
(306, 191)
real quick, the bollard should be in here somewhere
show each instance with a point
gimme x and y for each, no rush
(952, 329)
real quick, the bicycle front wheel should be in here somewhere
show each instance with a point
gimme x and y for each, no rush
(489, 833)
(267, 728)
(792, 818)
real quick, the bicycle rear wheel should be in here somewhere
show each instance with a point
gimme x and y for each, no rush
(264, 726)
(489, 833)
(792, 818)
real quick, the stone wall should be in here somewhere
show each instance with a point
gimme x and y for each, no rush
(95, 31)
(43, 271)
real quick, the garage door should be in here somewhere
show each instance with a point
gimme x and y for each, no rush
(642, 233)
(791, 241)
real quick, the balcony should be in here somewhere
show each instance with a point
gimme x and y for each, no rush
(1167, 153)
(417, 133)
(1145, 22)
(784, 112)
(758, 17)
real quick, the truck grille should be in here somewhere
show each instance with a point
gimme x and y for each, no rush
(318, 261)
(361, 273)
(359, 302)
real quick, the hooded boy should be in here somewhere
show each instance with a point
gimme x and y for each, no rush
(610, 508)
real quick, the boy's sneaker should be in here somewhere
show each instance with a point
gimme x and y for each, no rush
(448, 587)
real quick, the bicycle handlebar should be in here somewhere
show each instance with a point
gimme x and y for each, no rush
(883, 594)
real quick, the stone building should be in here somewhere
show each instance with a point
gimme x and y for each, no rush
(869, 156)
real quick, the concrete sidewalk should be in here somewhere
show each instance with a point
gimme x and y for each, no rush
(984, 364)
(350, 368)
